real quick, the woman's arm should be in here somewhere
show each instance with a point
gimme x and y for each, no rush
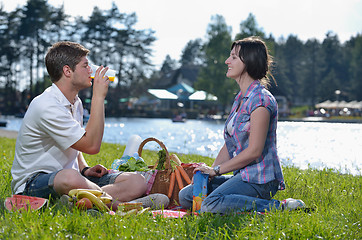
(222, 156)
(259, 124)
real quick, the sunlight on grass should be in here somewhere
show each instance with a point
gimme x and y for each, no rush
(336, 199)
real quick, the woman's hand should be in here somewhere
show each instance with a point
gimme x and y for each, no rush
(206, 169)
(96, 171)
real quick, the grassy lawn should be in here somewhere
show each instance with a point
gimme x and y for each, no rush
(336, 198)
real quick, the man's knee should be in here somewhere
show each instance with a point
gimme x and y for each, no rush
(66, 180)
(136, 182)
(140, 182)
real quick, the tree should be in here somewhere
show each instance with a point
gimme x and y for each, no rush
(59, 27)
(35, 16)
(312, 69)
(168, 66)
(212, 77)
(249, 27)
(333, 67)
(329, 84)
(129, 48)
(9, 61)
(192, 53)
(289, 61)
(96, 36)
(355, 70)
(7, 83)
(115, 43)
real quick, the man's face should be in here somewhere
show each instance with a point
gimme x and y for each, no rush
(82, 74)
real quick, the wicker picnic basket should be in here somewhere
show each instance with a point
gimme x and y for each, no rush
(162, 179)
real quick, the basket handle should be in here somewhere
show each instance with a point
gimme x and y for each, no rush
(167, 161)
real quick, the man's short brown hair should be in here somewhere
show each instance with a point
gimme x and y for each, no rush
(61, 54)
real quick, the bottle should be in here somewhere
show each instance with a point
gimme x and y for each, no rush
(132, 145)
(199, 190)
(118, 162)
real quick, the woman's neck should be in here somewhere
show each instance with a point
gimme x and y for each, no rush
(244, 82)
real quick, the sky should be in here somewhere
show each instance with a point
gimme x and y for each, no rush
(177, 22)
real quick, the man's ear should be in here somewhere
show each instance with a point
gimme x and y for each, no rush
(67, 71)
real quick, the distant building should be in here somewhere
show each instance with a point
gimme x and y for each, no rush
(184, 74)
(175, 90)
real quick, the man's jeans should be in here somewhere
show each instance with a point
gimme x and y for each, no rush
(42, 184)
(229, 193)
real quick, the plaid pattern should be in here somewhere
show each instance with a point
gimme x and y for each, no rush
(150, 179)
(267, 167)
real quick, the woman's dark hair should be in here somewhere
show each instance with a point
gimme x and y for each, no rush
(61, 54)
(254, 54)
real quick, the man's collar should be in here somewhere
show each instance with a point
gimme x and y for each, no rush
(60, 96)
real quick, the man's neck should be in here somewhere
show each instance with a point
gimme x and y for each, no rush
(67, 91)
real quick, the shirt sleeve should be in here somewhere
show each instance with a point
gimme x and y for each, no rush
(263, 100)
(60, 125)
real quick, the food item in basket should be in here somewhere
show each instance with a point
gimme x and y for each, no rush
(172, 185)
(133, 165)
(184, 174)
(175, 159)
(161, 159)
(178, 178)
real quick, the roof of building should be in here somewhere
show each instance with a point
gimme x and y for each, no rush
(162, 94)
(183, 74)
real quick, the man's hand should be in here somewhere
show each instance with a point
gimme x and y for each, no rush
(96, 171)
(91, 141)
(100, 82)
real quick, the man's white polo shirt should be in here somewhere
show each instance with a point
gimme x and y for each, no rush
(50, 126)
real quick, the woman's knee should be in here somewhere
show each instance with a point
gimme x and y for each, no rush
(185, 197)
(210, 203)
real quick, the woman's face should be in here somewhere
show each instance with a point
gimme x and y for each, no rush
(235, 65)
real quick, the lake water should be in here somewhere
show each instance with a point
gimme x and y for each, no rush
(302, 144)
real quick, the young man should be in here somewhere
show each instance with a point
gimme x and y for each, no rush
(48, 154)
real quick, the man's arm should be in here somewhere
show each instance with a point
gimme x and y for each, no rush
(96, 171)
(91, 141)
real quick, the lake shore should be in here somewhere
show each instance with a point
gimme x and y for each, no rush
(8, 133)
(321, 119)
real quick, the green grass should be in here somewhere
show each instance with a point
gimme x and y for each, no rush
(336, 198)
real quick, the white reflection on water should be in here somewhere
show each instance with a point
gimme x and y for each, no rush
(302, 144)
(332, 145)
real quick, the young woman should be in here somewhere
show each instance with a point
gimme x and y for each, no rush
(250, 150)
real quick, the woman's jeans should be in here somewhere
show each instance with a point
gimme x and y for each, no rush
(229, 193)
